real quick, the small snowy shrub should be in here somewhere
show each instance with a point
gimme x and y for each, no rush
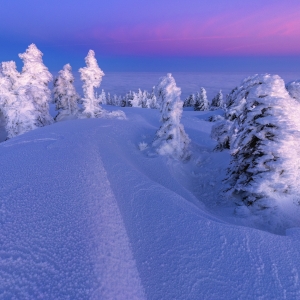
(91, 75)
(265, 168)
(171, 138)
(201, 101)
(65, 95)
(215, 118)
(143, 146)
(116, 114)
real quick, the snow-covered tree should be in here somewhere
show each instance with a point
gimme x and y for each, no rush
(65, 95)
(265, 170)
(189, 101)
(108, 99)
(145, 100)
(137, 99)
(201, 101)
(217, 101)
(9, 70)
(224, 131)
(33, 83)
(221, 133)
(294, 89)
(171, 138)
(102, 97)
(128, 98)
(15, 105)
(116, 100)
(91, 75)
(152, 100)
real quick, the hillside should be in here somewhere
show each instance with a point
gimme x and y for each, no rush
(85, 214)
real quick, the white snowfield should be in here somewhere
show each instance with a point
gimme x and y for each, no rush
(85, 214)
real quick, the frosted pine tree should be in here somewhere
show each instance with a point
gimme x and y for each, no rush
(9, 70)
(102, 97)
(294, 89)
(116, 100)
(128, 98)
(171, 138)
(224, 131)
(34, 80)
(217, 101)
(264, 170)
(189, 101)
(123, 101)
(201, 101)
(152, 99)
(65, 95)
(16, 107)
(108, 99)
(137, 99)
(145, 100)
(91, 75)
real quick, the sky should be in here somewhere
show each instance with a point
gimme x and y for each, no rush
(156, 35)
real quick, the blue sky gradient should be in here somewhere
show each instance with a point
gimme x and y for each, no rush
(138, 35)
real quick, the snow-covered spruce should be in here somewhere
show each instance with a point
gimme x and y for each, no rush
(201, 101)
(294, 89)
(142, 99)
(32, 84)
(152, 99)
(108, 99)
(102, 97)
(171, 138)
(264, 170)
(65, 95)
(190, 101)
(137, 99)
(223, 131)
(220, 132)
(91, 75)
(217, 102)
(16, 107)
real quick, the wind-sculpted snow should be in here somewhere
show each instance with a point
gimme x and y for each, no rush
(62, 234)
(86, 215)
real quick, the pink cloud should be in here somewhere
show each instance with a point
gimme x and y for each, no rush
(231, 33)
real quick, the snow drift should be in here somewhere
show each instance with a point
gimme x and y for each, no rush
(85, 215)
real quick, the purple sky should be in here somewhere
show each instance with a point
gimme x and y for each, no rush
(137, 29)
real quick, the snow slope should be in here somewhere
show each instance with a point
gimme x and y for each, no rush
(85, 214)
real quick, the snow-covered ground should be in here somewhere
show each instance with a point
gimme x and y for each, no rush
(85, 214)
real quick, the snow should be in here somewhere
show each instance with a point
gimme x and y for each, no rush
(85, 214)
